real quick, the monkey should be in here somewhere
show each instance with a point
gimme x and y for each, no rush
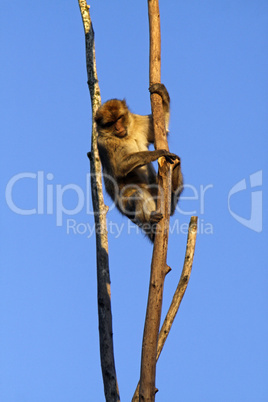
(129, 175)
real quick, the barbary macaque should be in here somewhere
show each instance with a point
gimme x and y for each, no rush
(129, 175)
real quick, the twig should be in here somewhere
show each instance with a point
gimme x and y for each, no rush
(103, 275)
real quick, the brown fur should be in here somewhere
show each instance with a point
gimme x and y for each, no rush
(129, 176)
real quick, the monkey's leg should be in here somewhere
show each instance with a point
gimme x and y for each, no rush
(140, 206)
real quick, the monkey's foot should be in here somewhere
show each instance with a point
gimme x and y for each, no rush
(155, 217)
(176, 163)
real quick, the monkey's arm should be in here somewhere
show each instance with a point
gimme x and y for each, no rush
(129, 162)
(143, 125)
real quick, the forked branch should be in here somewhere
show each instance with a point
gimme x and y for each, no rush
(179, 293)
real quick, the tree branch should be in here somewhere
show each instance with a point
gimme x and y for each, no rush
(158, 265)
(100, 210)
(182, 285)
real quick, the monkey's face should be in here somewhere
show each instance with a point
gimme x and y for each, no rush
(112, 118)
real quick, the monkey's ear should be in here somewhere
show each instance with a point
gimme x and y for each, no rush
(124, 103)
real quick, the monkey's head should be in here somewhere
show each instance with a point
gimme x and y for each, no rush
(112, 118)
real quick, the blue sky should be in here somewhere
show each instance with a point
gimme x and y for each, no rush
(214, 64)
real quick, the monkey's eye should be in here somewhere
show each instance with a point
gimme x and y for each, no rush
(109, 124)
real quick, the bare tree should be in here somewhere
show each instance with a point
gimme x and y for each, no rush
(153, 341)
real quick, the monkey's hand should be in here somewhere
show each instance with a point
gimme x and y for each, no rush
(161, 90)
(171, 158)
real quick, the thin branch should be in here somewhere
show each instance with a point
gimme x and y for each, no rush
(179, 293)
(103, 275)
(158, 265)
(182, 285)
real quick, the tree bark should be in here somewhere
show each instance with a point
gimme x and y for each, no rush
(179, 293)
(103, 275)
(158, 265)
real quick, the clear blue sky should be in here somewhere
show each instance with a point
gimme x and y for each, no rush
(214, 63)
